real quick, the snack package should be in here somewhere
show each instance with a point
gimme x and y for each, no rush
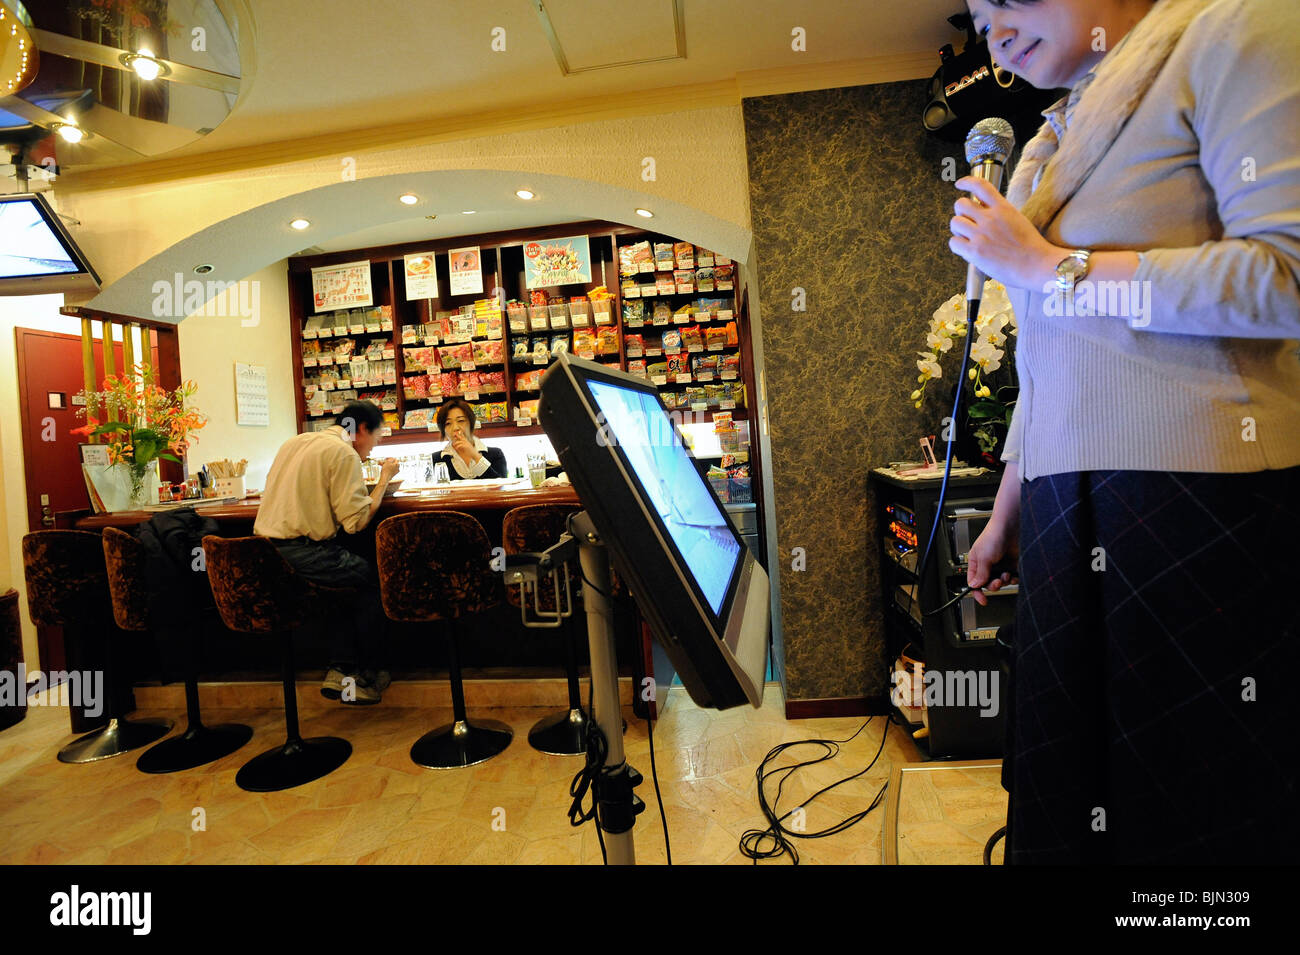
(704, 280)
(375, 349)
(498, 411)
(584, 342)
(415, 386)
(703, 257)
(678, 364)
(672, 399)
(732, 338)
(634, 314)
(636, 366)
(715, 338)
(470, 383)
(449, 383)
(517, 313)
(723, 277)
(492, 381)
(663, 314)
(528, 409)
(496, 352)
(528, 381)
(684, 254)
(360, 370)
(635, 345)
(448, 357)
(559, 343)
(626, 263)
(310, 353)
(656, 369)
(672, 341)
(684, 314)
(343, 349)
(692, 340)
(478, 350)
(495, 327)
(541, 349)
(519, 350)
(722, 422)
(415, 359)
(411, 334)
(704, 365)
(663, 256)
(417, 419)
(643, 256)
(434, 380)
(630, 288)
(713, 395)
(729, 367)
(664, 284)
(607, 340)
(684, 279)
(695, 395)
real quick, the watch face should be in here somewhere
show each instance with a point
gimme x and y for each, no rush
(1071, 269)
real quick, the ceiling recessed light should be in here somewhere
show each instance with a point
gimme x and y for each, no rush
(431, 217)
(146, 65)
(409, 198)
(70, 132)
(300, 224)
(469, 212)
(203, 269)
(645, 213)
(525, 193)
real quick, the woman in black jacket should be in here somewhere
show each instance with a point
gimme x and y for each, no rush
(466, 457)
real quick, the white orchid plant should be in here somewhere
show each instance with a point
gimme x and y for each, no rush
(995, 322)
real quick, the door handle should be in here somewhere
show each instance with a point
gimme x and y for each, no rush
(47, 517)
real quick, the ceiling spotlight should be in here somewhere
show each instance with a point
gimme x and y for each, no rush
(203, 269)
(525, 193)
(431, 217)
(645, 213)
(300, 224)
(70, 132)
(469, 212)
(146, 65)
(408, 198)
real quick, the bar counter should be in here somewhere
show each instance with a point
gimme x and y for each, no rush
(474, 500)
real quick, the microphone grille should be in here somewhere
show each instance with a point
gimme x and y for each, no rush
(988, 138)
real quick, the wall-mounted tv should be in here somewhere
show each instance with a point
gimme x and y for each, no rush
(696, 582)
(37, 254)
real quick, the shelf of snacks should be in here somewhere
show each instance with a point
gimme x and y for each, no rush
(650, 268)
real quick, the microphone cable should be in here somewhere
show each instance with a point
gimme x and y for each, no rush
(776, 840)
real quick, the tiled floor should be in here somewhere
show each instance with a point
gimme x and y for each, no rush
(381, 808)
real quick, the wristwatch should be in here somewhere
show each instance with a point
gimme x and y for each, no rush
(1071, 269)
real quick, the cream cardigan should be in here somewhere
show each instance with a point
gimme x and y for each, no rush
(1195, 365)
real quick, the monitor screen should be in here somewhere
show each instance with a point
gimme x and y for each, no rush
(37, 254)
(28, 246)
(677, 494)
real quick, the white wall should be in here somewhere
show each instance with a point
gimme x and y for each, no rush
(210, 344)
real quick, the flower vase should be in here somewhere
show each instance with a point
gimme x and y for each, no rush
(142, 483)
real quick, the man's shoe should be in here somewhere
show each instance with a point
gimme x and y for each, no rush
(369, 688)
(332, 686)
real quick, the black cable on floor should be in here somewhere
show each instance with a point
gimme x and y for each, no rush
(654, 774)
(584, 780)
(775, 841)
(993, 841)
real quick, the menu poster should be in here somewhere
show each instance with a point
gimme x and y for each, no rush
(250, 395)
(466, 271)
(557, 262)
(341, 286)
(421, 276)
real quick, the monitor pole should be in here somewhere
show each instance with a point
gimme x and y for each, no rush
(616, 805)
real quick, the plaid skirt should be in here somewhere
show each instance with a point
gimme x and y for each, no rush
(1154, 706)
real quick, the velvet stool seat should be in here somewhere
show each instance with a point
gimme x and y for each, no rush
(437, 567)
(67, 586)
(124, 559)
(533, 529)
(257, 591)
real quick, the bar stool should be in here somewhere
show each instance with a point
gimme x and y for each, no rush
(124, 558)
(67, 586)
(437, 566)
(257, 591)
(532, 529)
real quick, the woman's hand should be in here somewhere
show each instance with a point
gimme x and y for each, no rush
(993, 545)
(464, 447)
(997, 238)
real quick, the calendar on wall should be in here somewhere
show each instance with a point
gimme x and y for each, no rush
(251, 406)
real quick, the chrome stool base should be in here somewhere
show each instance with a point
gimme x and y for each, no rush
(461, 744)
(118, 737)
(560, 734)
(196, 747)
(297, 762)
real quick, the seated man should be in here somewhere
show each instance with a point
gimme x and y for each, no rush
(315, 488)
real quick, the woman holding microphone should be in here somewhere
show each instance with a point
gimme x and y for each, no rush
(1150, 240)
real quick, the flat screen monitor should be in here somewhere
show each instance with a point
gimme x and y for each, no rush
(695, 580)
(37, 254)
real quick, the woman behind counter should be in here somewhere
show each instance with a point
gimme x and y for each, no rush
(464, 454)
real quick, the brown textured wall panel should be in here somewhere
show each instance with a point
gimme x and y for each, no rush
(848, 202)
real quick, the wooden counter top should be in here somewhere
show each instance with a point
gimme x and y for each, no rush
(450, 499)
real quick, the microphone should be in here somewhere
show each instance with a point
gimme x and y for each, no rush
(989, 145)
